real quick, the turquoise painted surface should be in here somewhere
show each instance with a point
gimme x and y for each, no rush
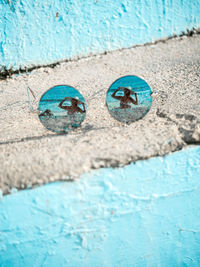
(34, 32)
(146, 214)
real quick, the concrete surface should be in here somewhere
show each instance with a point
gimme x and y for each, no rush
(144, 214)
(31, 155)
(34, 32)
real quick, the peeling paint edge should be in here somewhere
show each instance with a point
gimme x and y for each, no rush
(7, 73)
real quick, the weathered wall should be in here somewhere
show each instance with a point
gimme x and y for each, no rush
(34, 32)
(146, 214)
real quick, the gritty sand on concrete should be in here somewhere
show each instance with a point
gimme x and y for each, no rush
(31, 155)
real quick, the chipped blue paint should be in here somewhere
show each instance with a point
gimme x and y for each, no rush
(34, 32)
(145, 214)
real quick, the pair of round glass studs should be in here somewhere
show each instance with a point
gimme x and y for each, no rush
(62, 108)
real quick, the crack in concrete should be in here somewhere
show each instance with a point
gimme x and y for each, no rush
(7, 73)
(188, 126)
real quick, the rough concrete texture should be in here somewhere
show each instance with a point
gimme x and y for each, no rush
(31, 155)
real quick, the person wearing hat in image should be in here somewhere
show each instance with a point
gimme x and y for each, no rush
(126, 98)
(74, 105)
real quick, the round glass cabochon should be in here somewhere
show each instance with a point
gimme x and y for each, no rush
(129, 99)
(62, 108)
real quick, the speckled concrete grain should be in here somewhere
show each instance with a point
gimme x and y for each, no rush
(31, 155)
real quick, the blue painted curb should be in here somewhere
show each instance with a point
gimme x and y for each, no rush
(34, 32)
(145, 214)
